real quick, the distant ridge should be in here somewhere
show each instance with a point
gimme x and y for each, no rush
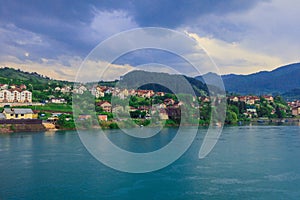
(281, 80)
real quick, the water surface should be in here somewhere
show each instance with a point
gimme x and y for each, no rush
(250, 162)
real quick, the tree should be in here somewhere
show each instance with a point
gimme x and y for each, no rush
(231, 117)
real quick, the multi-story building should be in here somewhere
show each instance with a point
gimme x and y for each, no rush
(15, 95)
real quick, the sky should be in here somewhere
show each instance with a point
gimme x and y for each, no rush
(54, 37)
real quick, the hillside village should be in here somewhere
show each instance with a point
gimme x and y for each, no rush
(143, 104)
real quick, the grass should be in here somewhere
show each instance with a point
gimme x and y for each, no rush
(51, 107)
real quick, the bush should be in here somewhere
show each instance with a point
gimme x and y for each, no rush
(113, 125)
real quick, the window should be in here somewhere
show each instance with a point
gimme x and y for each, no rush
(11, 115)
(22, 115)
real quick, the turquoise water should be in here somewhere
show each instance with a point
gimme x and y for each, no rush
(255, 162)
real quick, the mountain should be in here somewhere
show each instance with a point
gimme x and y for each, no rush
(162, 82)
(280, 80)
(292, 95)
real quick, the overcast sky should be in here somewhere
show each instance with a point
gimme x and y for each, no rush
(241, 36)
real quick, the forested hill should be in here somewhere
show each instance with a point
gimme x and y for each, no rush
(281, 80)
(163, 82)
(16, 76)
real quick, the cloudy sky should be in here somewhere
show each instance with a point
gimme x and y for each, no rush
(241, 36)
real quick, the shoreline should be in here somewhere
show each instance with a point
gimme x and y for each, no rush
(6, 129)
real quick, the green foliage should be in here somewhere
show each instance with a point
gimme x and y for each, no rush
(137, 114)
(205, 113)
(66, 121)
(55, 107)
(113, 125)
(231, 117)
(170, 122)
(45, 117)
(136, 101)
(107, 97)
(142, 122)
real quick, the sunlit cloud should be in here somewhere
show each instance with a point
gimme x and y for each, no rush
(231, 57)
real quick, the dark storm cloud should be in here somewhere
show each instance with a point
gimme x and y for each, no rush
(168, 13)
(63, 20)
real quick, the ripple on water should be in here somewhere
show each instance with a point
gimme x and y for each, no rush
(230, 181)
(282, 177)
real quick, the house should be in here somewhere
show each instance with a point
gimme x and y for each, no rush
(161, 94)
(169, 101)
(234, 98)
(66, 89)
(57, 100)
(145, 93)
(3, 86)
(132, 92)
(13, 86)
(296, 110)
(162, 105)
(57, 89)
(204, 99)
(79, 90)
(251, 112)
(268, 98)
(98, 93)
(132, 109)
(23, 87)
(294, 103)
(243, 99)
(84, 117)
(18, 113)
(163, 114)
(102, 117)
(144, 108)
(123, 94)
(177, 105)
(251, 100)
(105, 105)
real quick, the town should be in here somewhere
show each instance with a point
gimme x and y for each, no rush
(56, 110)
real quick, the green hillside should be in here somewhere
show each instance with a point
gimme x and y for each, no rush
(16, 76)
(163, 82)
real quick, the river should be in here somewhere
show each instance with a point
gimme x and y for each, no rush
(248, 162)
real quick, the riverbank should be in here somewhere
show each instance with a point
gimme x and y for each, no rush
(14, 128)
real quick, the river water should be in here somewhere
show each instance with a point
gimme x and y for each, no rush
(248, 162)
